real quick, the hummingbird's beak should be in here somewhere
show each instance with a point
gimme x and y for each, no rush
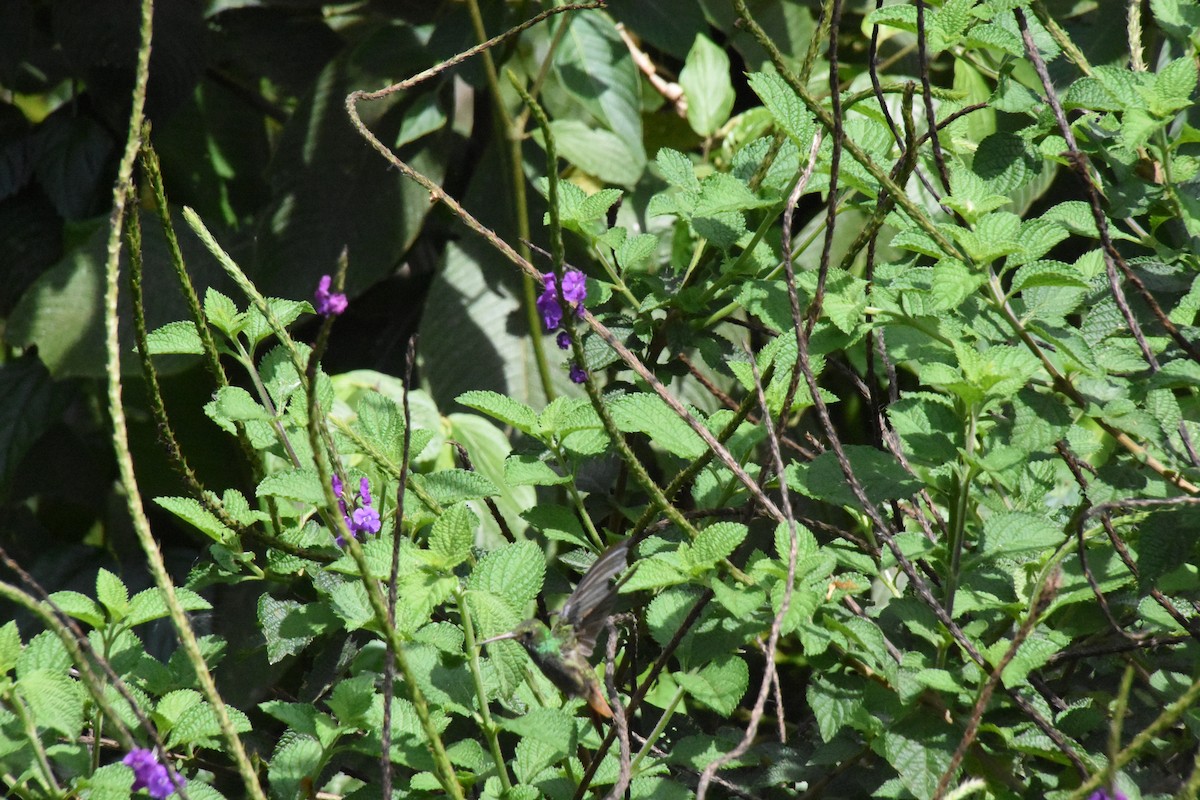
(500, 638)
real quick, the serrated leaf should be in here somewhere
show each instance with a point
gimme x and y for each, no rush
(1018, 535)
(716, 542)
(297, 758)
(79, 606)
(174, 338)
(300, 485)
(10, 645)
(677, 169)
(112, 594)
(235, 403)
(55, 700)
(835, 703)
(720, 684)
(454, 485)
(919, 749)
(514, 572)
(195, 514)
(453, 535)
(649, 414)
(222, 313)
(289, 626)
(557, 522)
(198, 725)
(526, 469)
(148, 604)
(501, 407)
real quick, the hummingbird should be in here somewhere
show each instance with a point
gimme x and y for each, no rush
(562, 652)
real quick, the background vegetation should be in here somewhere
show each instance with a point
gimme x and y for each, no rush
(899, 419)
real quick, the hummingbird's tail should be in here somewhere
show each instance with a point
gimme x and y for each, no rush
(596, 700)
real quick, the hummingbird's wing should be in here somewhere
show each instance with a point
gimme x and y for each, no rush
(593, 599)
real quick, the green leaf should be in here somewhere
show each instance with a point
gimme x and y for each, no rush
(453, 485)
(1006, 162)
(597, 152)
(198, 726)
(289, 626)
(720, 684)
(557, 522)
(300, 485)
(1047, 273)
(514, 572)
(1018, 536)
(235, 403)
(502, 408)
(716, 542)
(297, 758)
(10, 644)
(175, 337)
(836, 703)
(55, 700)
(195, 514)
(649, 414)
(148, 604)
(879, 474)
(44, 652)
(677, 169)
(526, 469)
(453, 535)
(707, 87)
(351, 701)
(919, 749)
(112, 594)
(222, 313)
(421, 119)
(79, 606)
(595, 68)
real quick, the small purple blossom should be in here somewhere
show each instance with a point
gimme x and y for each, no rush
(563, 340)
(364, 491)
(1105, 794)
(365, 520)
(327, 303)
(578, 374)
(148, 774)
(574, 288)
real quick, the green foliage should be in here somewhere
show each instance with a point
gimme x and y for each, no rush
(971, 509)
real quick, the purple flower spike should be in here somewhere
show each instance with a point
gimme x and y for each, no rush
(336, 482)
(563, 340)
(148, 774)
(364, 491)
(327, 303)
(578, 373)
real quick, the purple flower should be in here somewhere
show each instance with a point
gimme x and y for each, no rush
(148, 774)
(360, 517)
(327, 303)
(578, 373)
(547, 304)
(563, 340)
(574, 288)
(1105, 794)
(365, 520)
